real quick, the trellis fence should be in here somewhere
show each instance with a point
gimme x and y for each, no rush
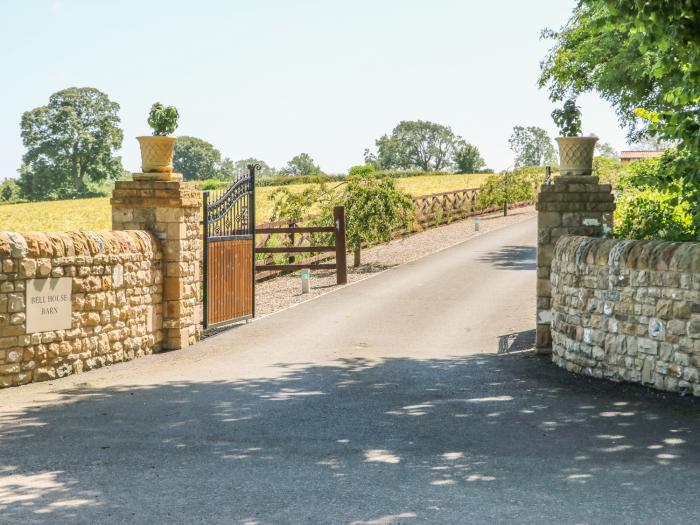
(431, 210)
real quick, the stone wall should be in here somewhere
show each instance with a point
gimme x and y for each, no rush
(628, 311)
(116, 299)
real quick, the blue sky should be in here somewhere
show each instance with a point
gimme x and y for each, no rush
(273, 78)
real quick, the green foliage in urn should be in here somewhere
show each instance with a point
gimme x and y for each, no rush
(163, 119)
(568, 119)
(70, 145)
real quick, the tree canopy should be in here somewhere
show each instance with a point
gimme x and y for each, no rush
(301, 164)
(416, 144)
(70, 145)
(265, 169)
(196, 159)
(644, 58)
(467, 159)
(532, 146)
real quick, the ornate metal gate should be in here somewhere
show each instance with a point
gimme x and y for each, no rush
(229, 252)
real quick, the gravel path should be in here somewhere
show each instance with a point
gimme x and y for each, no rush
(285, 291)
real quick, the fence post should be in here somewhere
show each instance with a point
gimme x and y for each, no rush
(291, 258)
(341, 266)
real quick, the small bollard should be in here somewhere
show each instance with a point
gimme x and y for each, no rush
(305, 280)
(477, 223)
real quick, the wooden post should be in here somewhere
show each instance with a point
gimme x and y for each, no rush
(291, 258)
(340, 262)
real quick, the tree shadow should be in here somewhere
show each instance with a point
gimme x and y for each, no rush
(512, 258)
(484, 438)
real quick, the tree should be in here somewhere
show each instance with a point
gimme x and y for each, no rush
(467, 159)
(10, 191)
(415, 144)
(532, 146)
(70, 144)
(265, 169)
(603, 149)
(302, 164)
(644, 58)
(196, 159)
(374, 209)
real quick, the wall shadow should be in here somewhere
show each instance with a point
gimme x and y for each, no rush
(485, 438)
(512, 258)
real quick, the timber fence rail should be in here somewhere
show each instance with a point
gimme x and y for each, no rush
(431, 210)
(300, 240)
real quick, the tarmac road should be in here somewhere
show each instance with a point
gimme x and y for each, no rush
(406, 398)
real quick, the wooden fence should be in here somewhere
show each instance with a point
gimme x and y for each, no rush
(299, 239)
(431, 210)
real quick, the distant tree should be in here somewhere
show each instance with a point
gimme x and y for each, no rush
(196, 159)
(362, 170)
(532, 146)
(302, 164)
(603, 149)
(10, 191)
(467, 159)
(265, 169)
(415, 144)
(70, 144)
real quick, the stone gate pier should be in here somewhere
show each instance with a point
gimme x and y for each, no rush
(572, 205)
(171, 211)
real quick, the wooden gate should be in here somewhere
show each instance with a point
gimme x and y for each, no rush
(229, 252)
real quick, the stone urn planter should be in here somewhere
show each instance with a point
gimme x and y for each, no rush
(576, 155)
(156, 153)
(157, 149)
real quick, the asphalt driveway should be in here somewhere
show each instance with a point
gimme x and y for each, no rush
(407, 398)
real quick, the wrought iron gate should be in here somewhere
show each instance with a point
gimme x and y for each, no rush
(229, 252)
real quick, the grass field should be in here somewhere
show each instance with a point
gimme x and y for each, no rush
(95, 214)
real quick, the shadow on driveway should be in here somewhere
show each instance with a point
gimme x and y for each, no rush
(482, 439)
(512, 258)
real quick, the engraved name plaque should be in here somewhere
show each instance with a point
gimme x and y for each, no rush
(49, 304)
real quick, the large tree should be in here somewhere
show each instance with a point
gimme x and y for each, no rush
(242, 166)
(70, 144)
(301, 164)
(467, 159)
(532, 146)
(196, 159)
(416, 144)
(644, 58)
(636, 54)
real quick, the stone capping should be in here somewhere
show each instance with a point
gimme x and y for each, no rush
(634, 255)
(76, 243)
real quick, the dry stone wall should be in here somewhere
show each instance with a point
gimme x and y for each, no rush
(103, 290)
(628, 311)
